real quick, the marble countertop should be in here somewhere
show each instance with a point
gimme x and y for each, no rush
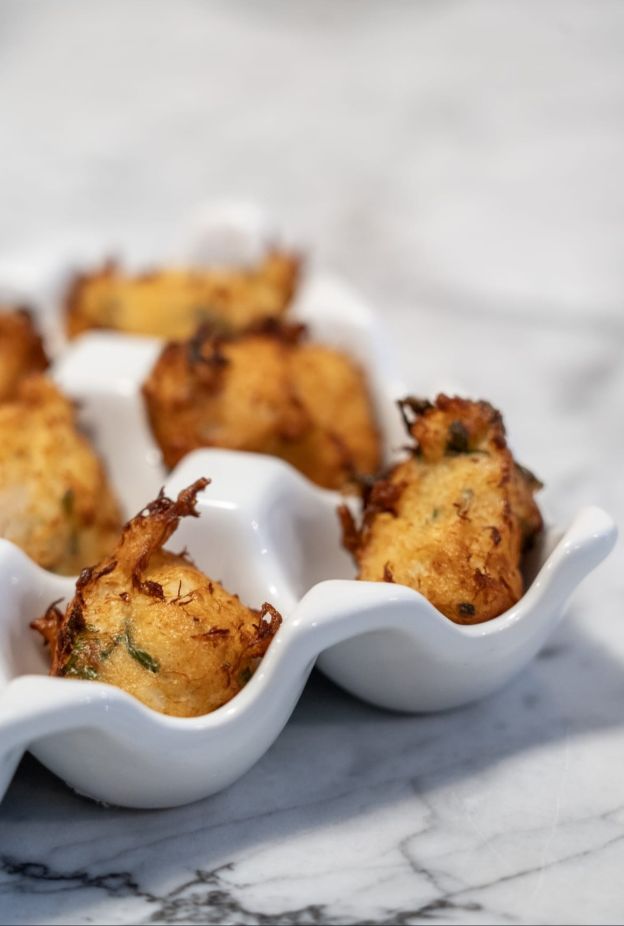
(463, 165)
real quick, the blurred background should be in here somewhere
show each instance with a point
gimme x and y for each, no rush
(461, 162)
(462, 165)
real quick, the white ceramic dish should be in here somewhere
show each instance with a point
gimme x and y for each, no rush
(268, 534)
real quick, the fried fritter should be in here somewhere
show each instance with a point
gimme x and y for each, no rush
(172, 303)
(267, 391)
(55, 499)
(150, 622)
(452, 520)
(21, 349)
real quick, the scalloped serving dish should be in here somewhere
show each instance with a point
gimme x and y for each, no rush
(269, 535)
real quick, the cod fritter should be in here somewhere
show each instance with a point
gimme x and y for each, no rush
(55, 499)
(172, 303)
(148, 621)
(21, 350)
(453, 520)
(267, 391)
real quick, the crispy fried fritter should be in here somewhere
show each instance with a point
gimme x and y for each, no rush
(55, 499)
(151, 623)
(172, 303)
(453, 519)
(267, 391)
(21, 349)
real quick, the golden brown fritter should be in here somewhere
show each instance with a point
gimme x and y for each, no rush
(172, 303)
(453, 519)
(151, 623)
(21, 349)
(55, 499)
(267, 391)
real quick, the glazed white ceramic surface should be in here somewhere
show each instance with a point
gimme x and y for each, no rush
(269, 535)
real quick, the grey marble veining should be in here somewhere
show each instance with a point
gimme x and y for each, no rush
(357, 815)
(462, 163)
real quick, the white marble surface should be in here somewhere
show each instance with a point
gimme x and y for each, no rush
(463, 163)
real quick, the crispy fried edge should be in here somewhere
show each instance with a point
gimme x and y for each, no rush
(75, 324)
(203, 358)
(383, 494)
(39, 360)
(161, 518)
(207, 366)
(149, 530)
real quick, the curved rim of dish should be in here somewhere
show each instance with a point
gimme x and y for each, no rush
(592, 534)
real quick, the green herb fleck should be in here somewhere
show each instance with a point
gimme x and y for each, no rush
(140, 655)
(73, 667)
(244, 676)
(105, 653)
(148, 662)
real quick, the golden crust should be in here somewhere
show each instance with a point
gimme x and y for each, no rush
(172, 303)
(150, 622)
(21, 349)
(453, 519)
(267, 391)
(55, 500)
